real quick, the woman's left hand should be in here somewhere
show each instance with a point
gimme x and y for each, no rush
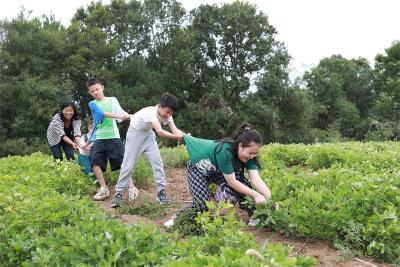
(260, 199)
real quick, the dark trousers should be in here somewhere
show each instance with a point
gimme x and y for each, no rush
(57, 151)
(198, 186)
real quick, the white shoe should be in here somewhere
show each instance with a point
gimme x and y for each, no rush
(170, 223)
(132, 193)
(103, 193)
(253, 222)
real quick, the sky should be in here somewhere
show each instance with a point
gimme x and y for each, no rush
(310, 29)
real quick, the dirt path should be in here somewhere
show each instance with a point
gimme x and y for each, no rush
(179, 195)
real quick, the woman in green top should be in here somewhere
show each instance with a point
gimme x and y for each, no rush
(223, 162)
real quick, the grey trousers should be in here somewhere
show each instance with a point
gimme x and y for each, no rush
(138, 142)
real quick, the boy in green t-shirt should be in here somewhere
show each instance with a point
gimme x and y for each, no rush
(107, 145)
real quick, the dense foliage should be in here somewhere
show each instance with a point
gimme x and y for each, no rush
(224, 63)
(348, 193)
(47, 219)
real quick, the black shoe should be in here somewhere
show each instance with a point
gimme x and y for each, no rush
(116, 202)
(162, 197)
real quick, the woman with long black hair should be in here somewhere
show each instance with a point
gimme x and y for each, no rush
(223, 162)
(64, 131)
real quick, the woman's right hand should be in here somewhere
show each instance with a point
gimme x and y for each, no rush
(260, 199)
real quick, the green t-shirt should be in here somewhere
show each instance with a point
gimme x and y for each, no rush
(210, 156)
(105, 127)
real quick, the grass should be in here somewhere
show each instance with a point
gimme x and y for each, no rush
(148, 209)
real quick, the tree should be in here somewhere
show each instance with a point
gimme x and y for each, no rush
(32, 46)
(236, 42)
(341, 87)
(385, 113)
(387, 82)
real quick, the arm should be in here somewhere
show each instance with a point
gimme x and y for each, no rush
(174, 129)
(67, 140)
(77, 140)
(157, 127)
(119, 116)
(244, 189)
(259, 184)
(76, 124)
(118, 112)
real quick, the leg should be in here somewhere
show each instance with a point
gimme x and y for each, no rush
(115, 152)
(56, 151)
(152, 153)
(98, 159)
(69, 151)
(198, 185)
(98, 172)
(133, 149)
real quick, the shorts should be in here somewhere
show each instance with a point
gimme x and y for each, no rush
(107, 149)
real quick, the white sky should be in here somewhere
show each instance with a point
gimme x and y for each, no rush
(310, 29)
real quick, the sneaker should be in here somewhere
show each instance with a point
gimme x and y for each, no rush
(102, 193)
(116, 202)
(253, 222)
(162, 197)
(170, 222)
(132, 193)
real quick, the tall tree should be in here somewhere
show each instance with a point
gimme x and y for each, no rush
(32, 46)
(387, 82)
(386, 111)
(236, 42)
(343, 90)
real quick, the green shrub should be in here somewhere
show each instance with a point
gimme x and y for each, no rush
(349, 196)
(46, 219)
(174, 157)
(290, 154)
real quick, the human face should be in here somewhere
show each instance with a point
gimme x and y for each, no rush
(247, 153)
(68, 112)
(165, 112)
(96, 91)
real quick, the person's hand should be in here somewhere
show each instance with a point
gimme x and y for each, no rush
(83, 145)
(179, 135)
(75, 146)
(260, 199)
(126, 117)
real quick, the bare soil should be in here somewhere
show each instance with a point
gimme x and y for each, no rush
(179, 196)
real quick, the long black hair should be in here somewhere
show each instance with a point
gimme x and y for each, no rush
(245, 135)
(69, 104)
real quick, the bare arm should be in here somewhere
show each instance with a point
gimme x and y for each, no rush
(174, 129)
(77, 140)
(259, 184)
(123, 116)
(67, 140)
(244, 189)
(159, 130)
